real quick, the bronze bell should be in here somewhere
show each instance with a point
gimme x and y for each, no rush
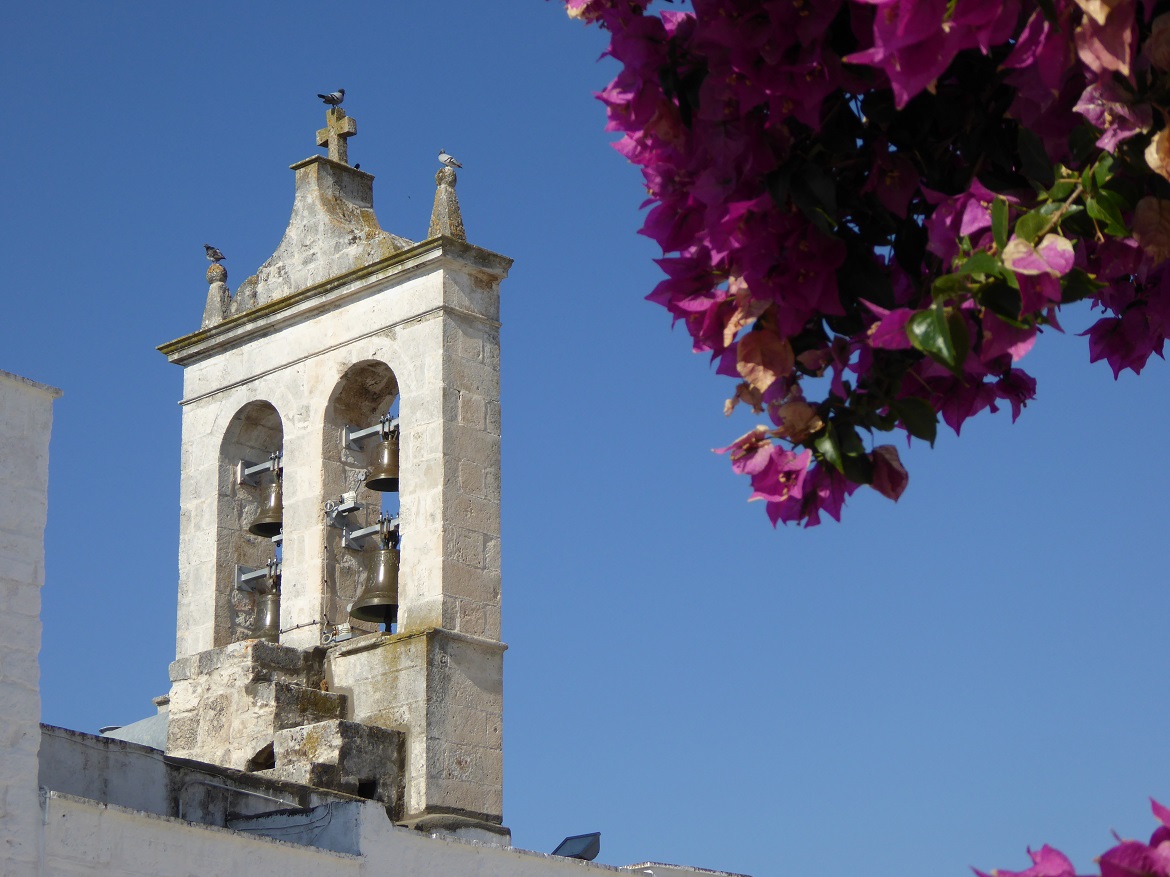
(271, 517)
(384, 472)
(378, 601)
(268, 616)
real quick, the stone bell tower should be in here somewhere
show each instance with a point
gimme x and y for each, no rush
(346, 335)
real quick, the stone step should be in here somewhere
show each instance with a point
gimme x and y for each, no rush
(344, 756)
(295, 705)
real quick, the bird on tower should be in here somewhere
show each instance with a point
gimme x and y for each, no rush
(213, 253)
(334, 98)
(448, 160)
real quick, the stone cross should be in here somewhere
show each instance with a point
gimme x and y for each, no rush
(339, 128)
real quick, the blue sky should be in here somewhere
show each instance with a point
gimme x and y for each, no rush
(930, 685)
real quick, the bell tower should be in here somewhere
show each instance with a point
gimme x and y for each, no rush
(339, 549)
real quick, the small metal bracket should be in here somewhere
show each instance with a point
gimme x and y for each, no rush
(353, 438)
(386, 524)
(246, 471)
(248, 577)
(336, 510)
(336, 633)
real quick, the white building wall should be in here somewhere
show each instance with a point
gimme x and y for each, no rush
(26, 416)
(85, 838)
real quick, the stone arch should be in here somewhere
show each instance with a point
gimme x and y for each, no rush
(253, 433)
(367, 390)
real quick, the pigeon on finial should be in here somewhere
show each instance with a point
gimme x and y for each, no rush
(448, 160)
(213, 254)
(334, 98)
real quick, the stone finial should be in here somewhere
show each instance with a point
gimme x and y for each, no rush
(338, 129)
(445, 217)
(219, 297)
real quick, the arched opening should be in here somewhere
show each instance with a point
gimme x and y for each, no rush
(366, 393)
(254, 434)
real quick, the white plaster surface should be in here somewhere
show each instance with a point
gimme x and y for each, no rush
(85, 838)
(26, 417)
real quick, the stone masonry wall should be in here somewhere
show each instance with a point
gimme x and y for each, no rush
(26, 416)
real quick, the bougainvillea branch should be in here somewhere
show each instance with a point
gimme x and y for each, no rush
(869, 210)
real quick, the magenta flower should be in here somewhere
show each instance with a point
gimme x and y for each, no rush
(958, 216)
(1107, 107)
(889, 333)
(1039, 268)
(910, 45)
(889, 476)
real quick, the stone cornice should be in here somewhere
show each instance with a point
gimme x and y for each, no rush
(268, 317)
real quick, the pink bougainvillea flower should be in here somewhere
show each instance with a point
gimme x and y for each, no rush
(1135, 859)
(1054, 255)
(1000, 338)
(889, 475)
(1039, 268)
(1047, 862)
(958, 216)
(782, 477)
(889, 333)
(894, 180)
(1107, 47)
(750, 452)
(909, 44)
(1108, 108)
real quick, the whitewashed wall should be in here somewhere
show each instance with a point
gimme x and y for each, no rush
(26, 416)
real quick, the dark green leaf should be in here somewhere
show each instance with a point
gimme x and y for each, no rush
(1082, 142)
(960, 337)
(859, 470)
(1077, 285)
(999, 222)
(930, 332)
(1001, 299)
(1049, 10)
(919, 418)
(850, 442)
(779, 182)
(826, 446)
(948, 286)
(1034, 159)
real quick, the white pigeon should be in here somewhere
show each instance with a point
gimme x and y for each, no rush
(448, 160)
(213, 253)
(334, 98)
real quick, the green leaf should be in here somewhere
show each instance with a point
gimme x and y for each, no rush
(1029, 226)
(949, 286)
(1102, 170)
(827, 448)
(1103, 209)
(1049, 10)
(850, 442)
(1002, 300)
(1062, 189)
(1077, 285)
(960, 338)
(999, 222)
(859, 470)
(982, 262)
(919, 418)
(930, 332)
